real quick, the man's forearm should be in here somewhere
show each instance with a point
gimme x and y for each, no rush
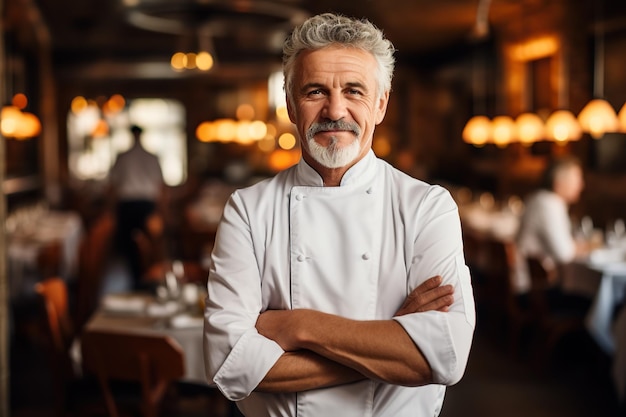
(304, 370)
(379, 350)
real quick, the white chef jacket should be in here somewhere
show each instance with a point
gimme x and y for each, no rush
(545, 230)
(357, 251)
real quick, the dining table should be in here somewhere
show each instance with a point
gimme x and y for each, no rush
(179, 318)
(28, 231)
(602, 276)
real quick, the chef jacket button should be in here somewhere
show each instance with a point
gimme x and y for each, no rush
(301, 258)
(369, 191)
(365, 256)
(299, 197)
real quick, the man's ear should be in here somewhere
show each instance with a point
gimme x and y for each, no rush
(290, 111)
(381, 107)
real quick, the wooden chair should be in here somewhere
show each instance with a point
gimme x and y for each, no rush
(60, 335)
(555, 320)
(94, 253)
(154, 362)
(494, 262)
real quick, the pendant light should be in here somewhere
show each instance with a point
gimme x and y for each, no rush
(598, 116)
(478, 129)
(562, 127)
(621, 119)
(529, 128)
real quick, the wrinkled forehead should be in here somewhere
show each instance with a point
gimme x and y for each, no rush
(353, 64)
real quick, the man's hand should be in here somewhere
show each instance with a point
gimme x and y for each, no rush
(428, 296)
(282, 325)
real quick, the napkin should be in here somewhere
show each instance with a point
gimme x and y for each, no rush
(124, 303)
(607, 256)
(162, 309)
(186, 321)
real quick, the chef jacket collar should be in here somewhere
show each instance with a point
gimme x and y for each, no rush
(360, 172)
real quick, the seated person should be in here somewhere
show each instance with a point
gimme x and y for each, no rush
(545, 229)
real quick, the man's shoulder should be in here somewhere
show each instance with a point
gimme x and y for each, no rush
(267, 187)
(406, 183)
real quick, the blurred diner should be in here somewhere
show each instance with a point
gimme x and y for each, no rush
(546, 229)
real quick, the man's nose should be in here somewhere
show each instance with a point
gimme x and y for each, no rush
(335, 107)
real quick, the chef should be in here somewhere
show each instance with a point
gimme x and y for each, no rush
(339, 286)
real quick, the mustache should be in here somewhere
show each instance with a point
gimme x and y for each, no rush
(315, 128)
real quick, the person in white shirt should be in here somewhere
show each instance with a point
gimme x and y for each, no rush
(339, 286)
(136, 184)
(545, 228)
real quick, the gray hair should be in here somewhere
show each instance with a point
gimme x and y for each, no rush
(327, 29)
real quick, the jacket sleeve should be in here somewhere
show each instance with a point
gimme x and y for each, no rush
(236, 357)
(444, 338)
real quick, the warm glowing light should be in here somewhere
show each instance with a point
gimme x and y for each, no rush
(381, 147)
(9, 120)
(529, 128)
(282, 115)
(226, 130)
(20, 101)
(79, 103)
(115, 104)
(206, 132)
(477, 131)
(243, 133)
(621, 117)
(267, 144)
(191, 60)
(244, 111)
(287, 141)
(562, 126)
(17, 124)
(271, 130)
(282, 159)
(258, 130)
(597, 118)
(178, 61)
(204, 61)
(535, 49)
(101, 129)
(502, 130)
(29, 126)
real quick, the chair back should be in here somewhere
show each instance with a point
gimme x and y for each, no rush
(55, 299)
(543, 277)
(59, 330)
(94, 253)
(151, 360)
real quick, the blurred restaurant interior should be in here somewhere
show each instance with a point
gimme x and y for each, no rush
(485, 93)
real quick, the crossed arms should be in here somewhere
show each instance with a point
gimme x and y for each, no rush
(323, 350)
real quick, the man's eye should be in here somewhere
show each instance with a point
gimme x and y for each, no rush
(354, 92)
(314, 92)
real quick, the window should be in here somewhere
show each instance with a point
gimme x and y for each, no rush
(96, 135)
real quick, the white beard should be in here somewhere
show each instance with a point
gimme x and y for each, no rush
(332, 156)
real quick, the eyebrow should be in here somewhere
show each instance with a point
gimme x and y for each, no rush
(355, 84)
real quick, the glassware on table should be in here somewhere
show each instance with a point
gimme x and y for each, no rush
(615, 233)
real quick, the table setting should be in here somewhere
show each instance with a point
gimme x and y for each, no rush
(175, 308)
(31, 228)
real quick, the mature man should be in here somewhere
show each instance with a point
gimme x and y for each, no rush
(321, 301)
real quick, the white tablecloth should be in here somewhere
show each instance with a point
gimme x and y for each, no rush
(611, 292)
(25, 241)
(139, 313)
